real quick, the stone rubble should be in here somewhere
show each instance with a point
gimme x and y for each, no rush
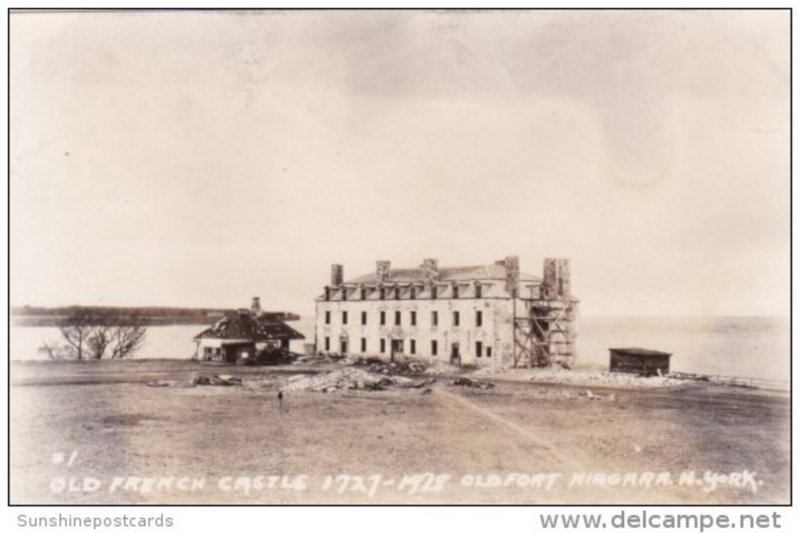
(347, 378)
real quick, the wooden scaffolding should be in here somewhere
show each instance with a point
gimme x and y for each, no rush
(544, 321)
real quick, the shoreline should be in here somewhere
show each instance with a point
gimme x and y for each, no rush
(578, 378)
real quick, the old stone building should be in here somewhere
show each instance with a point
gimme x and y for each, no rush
(485, 315)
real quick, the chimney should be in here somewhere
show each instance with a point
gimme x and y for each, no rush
(382, 269)
(255, 306)
(556, 282)
(511, 263)
(337, 275)
(430, 269)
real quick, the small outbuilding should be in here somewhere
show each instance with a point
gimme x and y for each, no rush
(639, 361)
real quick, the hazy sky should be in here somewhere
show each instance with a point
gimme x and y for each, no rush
(201, 158)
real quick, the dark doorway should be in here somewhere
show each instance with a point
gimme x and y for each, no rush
(344, 347)
(397, 348)
(455, 354)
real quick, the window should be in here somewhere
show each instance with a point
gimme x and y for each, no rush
(327, 343)
(363, 345)
(434, 292)
(456, 318)
(383, 345)
(478, 349)
(488, 351)
(344, 293)
(344, 317)
(383, 293)
(383, 318)
(327, 294)
(363, 293)
(434, 348)
(413, 318)
(434, 318)
(478, 290)
(413, 347)
(478, 318)
(363, 318)
(455, 291)
(327, 317)
(412, 293)
(397, 318)
(397, 293)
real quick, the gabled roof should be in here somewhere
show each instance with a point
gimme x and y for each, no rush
(243, 325)
(456, 273)
(640, 352)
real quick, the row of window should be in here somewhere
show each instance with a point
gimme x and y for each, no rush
(396, 292)
(398, 318)
(398, 347)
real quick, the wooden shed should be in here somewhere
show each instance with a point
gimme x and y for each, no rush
(639, 361)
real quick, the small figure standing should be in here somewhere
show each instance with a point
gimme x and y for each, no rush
(280, 400)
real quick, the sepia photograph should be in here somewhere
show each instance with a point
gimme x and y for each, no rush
(399, 257)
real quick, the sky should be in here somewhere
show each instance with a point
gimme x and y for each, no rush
(201, 158)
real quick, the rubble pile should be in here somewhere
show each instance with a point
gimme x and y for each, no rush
(348, 378)
(438, 368)
(490, 371)
(559, 375)
(378, 366)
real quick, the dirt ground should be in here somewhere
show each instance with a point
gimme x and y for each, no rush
(97, 433)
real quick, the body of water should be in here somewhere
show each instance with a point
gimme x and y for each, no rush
(745, 347)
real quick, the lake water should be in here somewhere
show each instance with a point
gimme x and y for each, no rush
(743, 347)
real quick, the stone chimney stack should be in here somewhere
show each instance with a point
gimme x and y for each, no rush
(556, 282)
(255, 306)
(337, 275)
(511, 263)
(383, 269)
(430, 269)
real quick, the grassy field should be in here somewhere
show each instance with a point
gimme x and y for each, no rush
(97, 433)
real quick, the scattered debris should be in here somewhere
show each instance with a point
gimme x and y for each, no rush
(313, 359)
(162, 383)
(466, 382)
(223, 380)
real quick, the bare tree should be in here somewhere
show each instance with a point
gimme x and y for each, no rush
(53, 351)
(126, 340)
(76, 331)
(89, 336)
(99, 341)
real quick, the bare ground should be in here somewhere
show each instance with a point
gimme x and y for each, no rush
(72, 421)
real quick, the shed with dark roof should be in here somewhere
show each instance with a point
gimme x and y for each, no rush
(639, 361)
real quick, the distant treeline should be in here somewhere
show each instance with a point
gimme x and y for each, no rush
(124, 316)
